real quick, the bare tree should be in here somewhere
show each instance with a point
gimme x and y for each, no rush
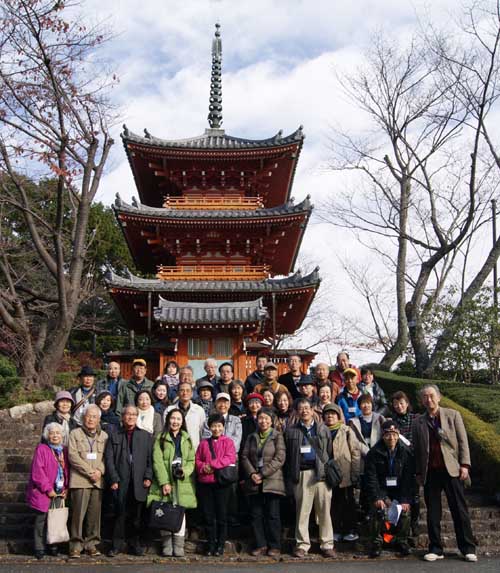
(423, 183)
(54, 143)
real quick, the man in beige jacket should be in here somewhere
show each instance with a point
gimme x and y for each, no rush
(86, 458)
(442, 462)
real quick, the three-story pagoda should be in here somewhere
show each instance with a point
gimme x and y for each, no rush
(217, 226)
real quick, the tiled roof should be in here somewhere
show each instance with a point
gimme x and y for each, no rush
(212, 139)
(165, 213)
(209, 313)
(267, 285)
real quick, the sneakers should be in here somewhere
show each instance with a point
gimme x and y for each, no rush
(351, 537)
(433, 556)
(470, 557)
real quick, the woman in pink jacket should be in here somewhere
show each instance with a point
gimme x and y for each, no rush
(49, 478)
(213, 454)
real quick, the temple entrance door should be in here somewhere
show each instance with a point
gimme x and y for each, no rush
(201, 348)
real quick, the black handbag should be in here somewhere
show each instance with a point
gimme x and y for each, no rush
(333, 473)
(165, 515)
(227, 475)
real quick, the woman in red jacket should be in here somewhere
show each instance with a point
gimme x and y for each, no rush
(213, 454)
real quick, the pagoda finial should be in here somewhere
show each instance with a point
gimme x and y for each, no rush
(215, 105)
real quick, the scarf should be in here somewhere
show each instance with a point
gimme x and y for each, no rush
(334, 428)
(263, 437)
(146, 419)
(58, 454)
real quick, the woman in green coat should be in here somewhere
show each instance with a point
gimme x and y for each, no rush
(173, 466)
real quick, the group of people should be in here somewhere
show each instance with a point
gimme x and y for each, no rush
(293, 443)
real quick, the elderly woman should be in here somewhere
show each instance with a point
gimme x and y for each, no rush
(86, 458)
(148, 418)
(49, 478)
(214, 453)
(346, 452)
(173, 465)
(262, 461)
(237, 393)
(63, 403)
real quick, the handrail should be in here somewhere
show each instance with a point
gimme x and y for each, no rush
(212, 272)
(213, 202)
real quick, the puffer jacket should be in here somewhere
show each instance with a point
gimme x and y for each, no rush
(346, 453)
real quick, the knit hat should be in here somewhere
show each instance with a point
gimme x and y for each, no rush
(255, 396)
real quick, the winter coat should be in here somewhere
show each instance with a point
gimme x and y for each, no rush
(195, 421)
(454, 443)
(376, 434)
(110, 421)
(127, 392)
(346, 453)
(110, 385)
(377, 470)
(81, 466)
(273, 458)
(43, 475)
(121, 469)
(183, 491)
(293, 438)
(288, 381)
(349, 405)
(225, 455)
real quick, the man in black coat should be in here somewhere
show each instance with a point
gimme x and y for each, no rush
(292, 378)
(389, 476)
(129, 472)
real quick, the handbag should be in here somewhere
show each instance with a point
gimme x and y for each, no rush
(166, 515)
(227, 475)
(57, 522)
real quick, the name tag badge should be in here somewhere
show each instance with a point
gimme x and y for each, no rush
(92, 456)
(391, 482)
(352, 410)
(305, 449)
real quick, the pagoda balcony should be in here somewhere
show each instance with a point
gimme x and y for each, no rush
(213, 272)
(213, 202)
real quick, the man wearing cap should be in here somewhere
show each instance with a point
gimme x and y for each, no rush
(210, 368)
(257, 376)
(348, 398)
(389, 470)
(112, 381)
(308, 448)
(442, 463)
(291, 379)
(232, 424)
(63, 404)
(270, 381)
(84, 394)
(138, 382)
(343, 362)
(193, 414)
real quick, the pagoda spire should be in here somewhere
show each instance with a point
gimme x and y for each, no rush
(215, 106)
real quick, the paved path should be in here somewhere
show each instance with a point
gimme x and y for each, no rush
(408, 565)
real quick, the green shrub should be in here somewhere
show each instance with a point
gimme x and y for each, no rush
(7, 368)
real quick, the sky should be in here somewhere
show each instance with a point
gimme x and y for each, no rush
(281, 61)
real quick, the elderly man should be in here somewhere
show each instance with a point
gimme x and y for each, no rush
(442, 464)
(308, 448)
(257, 376)
(86, 458)
(84, 394)
(194, 414)
(138, 382)
(232, 424)
(210, 368)
(129, 473)
(321, 378)
(343, 363)
(186, 374)
(112, 381)
(389, 474)
(292, 378)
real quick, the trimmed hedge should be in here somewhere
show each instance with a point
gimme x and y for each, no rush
(483, 439)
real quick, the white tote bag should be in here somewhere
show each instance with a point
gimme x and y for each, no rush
(57, 522)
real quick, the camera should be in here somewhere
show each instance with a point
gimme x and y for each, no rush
(177, 471)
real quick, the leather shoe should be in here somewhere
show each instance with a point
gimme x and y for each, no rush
(139, 551)
(273, 552)
(93, 552)
(329, 553)
(113, 552)
(39, 555)
(259, 551)
(299, 553)
(75, 554)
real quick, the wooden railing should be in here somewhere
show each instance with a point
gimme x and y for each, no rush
(213, 202)
(212, 272)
